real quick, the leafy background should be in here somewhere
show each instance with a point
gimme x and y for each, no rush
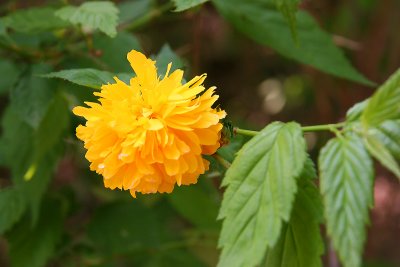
(268, 65)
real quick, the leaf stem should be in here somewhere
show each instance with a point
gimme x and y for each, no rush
(152, 14)
(323, 127)
(237, 130)
(313, 128)
(222, 161)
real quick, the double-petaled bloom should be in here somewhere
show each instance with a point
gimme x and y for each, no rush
(150, 134)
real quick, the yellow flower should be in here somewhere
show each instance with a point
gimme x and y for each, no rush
(147, 135)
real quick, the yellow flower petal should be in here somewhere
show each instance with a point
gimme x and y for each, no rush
(144, 68)
(155, 124)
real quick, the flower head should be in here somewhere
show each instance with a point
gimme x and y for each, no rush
(150, 134)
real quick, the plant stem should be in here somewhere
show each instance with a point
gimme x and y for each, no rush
(323, 127)
(152, 14)
(313, 128)
(245, 132)
(222, 161)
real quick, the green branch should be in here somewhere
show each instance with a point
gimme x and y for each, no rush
(146, 18)
(222, 161)
(323, 127)
(314, 128)
(245, 132)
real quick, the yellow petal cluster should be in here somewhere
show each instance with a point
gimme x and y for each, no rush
(150, 134)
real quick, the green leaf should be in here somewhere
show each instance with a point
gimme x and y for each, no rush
(182, 5)
(46, 149)
(34, 20)
(102, 15)
(31, 95)
(166, 56)
(288, 8)
(12, 206)
(18, 141)
(300, 243)
(308, 171)
(34, 188)
(190, 200)
(9, 75)
(86, 77)
(385, 103)
(50, 131)
(124, 226)
(28, 42)
(381, 153)
(355, 112)
(132, 10)
(15, 141)
(3, 30)
(260, 21)
(261, 188)
(346, 181)
(33, 247)
(389, 134)
(115, 50)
